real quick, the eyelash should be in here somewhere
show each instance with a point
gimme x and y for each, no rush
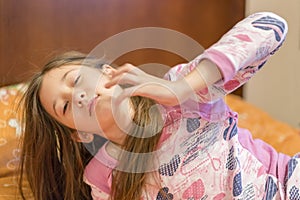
(65, 107)
(67, 103)
(76, 80)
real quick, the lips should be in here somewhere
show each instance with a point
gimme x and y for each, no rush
(91, 104)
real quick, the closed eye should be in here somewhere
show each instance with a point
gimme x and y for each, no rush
(65, 107)
(77, 79)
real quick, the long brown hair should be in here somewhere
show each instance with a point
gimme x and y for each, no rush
(53, 163)
(130, 177)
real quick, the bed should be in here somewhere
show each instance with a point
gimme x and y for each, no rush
(281, 136)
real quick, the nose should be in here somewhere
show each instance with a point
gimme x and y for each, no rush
(79, 98)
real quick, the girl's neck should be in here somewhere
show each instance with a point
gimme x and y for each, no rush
(113, 149)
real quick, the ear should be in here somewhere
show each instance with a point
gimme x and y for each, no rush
(108, 70)
(83, 137)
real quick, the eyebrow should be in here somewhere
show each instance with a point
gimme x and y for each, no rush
(66, 74)
(63, 78)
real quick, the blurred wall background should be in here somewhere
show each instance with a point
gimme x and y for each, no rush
(32, 31)
(276, 89)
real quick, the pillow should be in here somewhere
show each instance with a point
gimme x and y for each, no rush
(10, 132)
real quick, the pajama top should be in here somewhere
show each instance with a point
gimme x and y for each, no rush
(202, 152)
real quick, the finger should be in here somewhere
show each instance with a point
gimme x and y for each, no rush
(137, 90)
(126, 68)
(124, 78)
(127, 92)
(121, 73)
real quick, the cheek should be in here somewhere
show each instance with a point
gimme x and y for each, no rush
(83, 121)
(70, 122)
(108, 105)
(103, 110)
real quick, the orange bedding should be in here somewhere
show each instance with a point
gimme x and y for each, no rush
(281, 136)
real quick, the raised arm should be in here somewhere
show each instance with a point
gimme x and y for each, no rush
(222, 68)
(238, 55)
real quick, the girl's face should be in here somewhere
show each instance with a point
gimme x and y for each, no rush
(75, 96)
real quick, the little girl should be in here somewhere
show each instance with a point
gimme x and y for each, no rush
(171, 138)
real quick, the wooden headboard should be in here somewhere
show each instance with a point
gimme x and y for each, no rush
(34, 30)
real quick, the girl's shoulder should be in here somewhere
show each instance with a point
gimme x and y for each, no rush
(98, 171)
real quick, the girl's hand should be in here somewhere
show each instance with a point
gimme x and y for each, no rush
(142, 84)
